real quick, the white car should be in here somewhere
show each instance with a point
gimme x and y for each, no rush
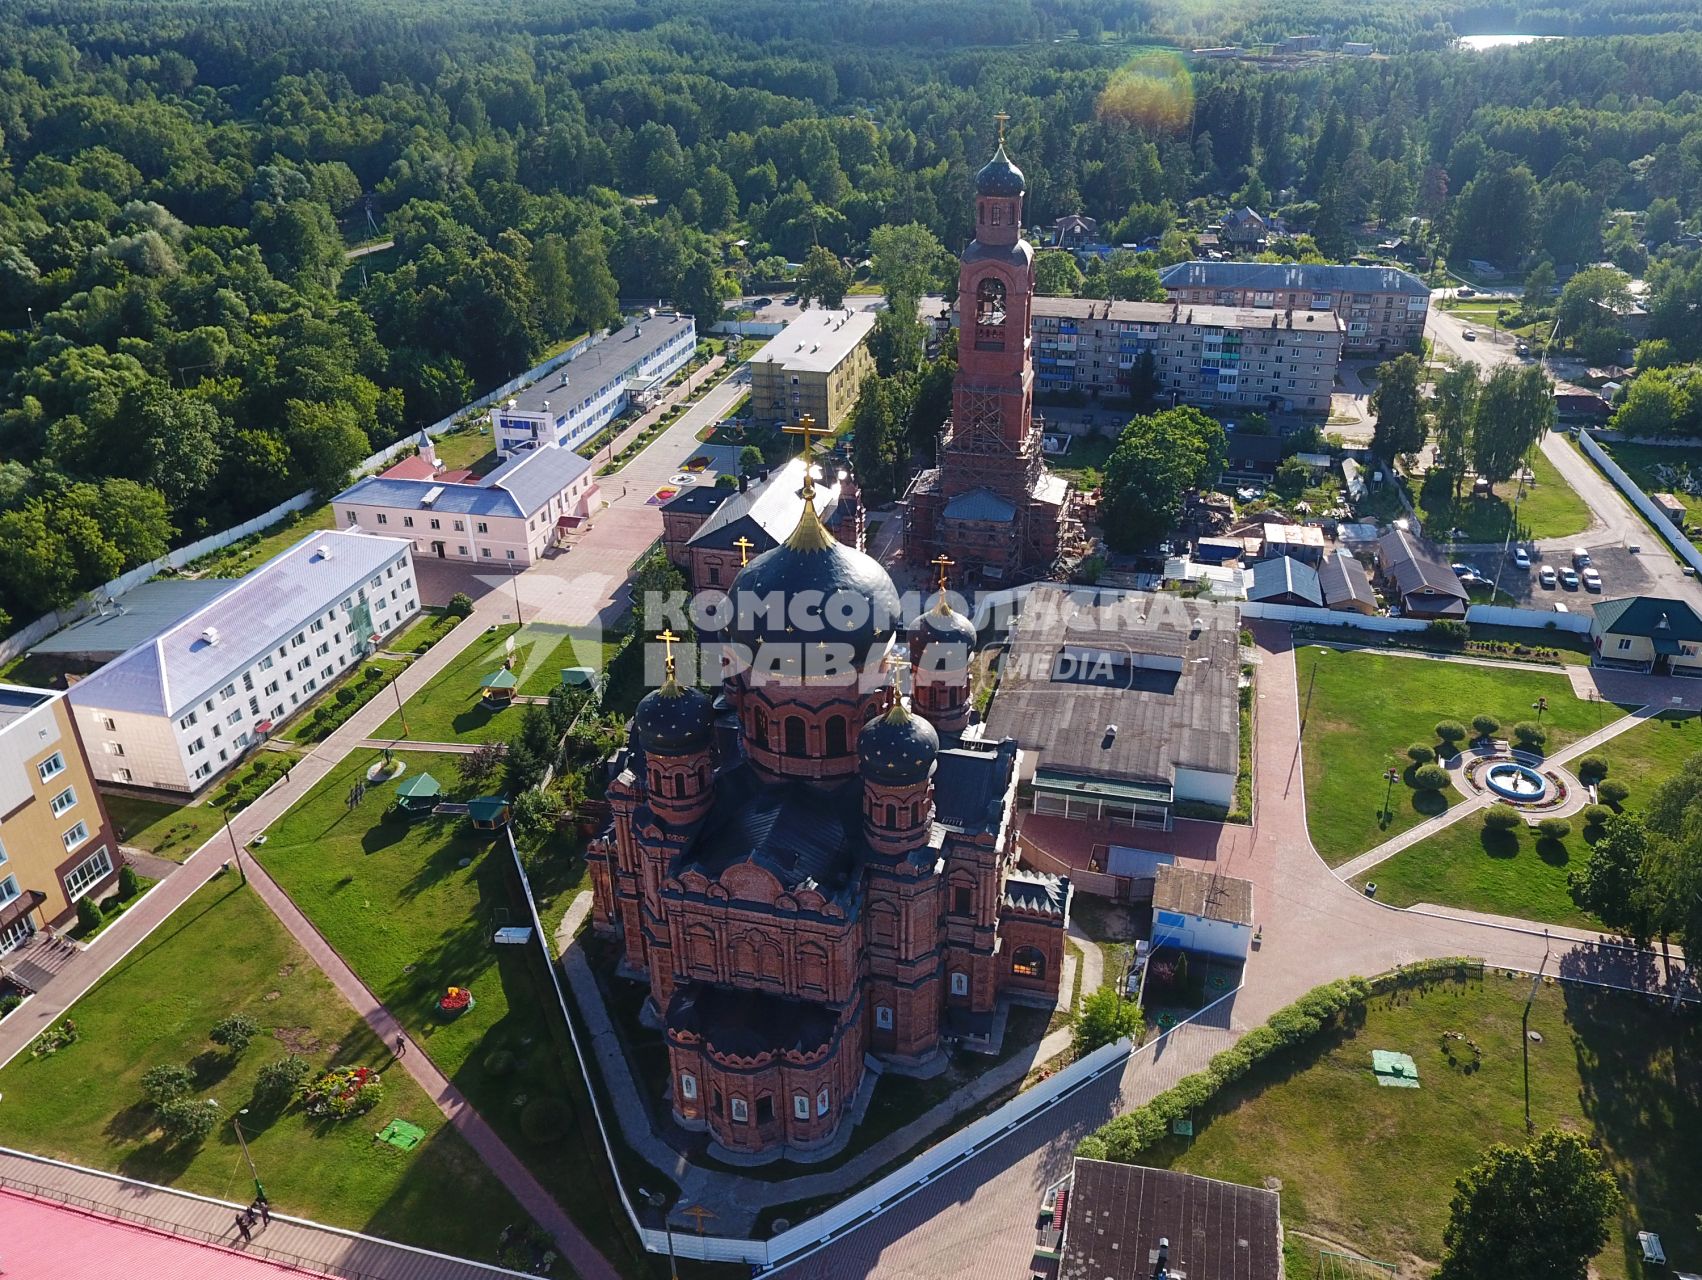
(1569, 579)
(1521, 558)
(1592, 580)
(1470, 335)
(1545, 575)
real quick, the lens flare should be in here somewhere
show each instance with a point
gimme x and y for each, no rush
(1152, 91)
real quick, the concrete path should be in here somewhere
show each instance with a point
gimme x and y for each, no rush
(1355, 867)
(1092, 961)
(977, 1218)
(285, 1241)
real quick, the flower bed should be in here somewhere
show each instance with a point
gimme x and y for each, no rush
(343, 1092)
(455, 1002)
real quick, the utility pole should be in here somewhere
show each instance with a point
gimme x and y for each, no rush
(396, 686)
(236, 849)
(658, 1201)
(236, 1121)
(1525, 1025)
(1391, 776)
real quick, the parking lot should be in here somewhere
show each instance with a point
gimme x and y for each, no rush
(1622, 573)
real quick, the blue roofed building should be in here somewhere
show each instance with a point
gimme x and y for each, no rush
(511, 515)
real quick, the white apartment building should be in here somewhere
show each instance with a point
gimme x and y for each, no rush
(179, 709)
(1382, 308)
(1264, 361)
(571, 404)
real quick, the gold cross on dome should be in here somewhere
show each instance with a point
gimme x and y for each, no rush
(1002, 118)
(667, 637)
(744, 545)
(806, 427)
(942, 562)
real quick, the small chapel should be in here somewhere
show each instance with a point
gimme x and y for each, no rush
(812, 870)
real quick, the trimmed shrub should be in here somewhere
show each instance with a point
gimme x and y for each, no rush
(166, 1083)
(460, 605)
(128, 884)
(234, 1032)
(1596, 815)
(1614, 793)
(1485, 726)
(1529, 735)
(1554, 828)
(1452, 732)
(1430, 777)
(189, 1119)
(1502, 817)
(1418, 753)
(1591, 769)
(1449, 631)
(543, 1120)
(89, 915)
(279, 1081)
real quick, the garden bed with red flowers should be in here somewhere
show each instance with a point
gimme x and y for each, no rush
(455, 1002)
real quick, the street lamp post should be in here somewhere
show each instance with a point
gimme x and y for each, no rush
(656, 1200)
(396, 686)
(1391, 776)
(1525, 1027)
(1539, 706)
(236, 1121)
(236, 849)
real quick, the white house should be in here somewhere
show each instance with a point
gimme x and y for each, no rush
(569, 405)
(183, 706)
(1200, 911)
(511, 515)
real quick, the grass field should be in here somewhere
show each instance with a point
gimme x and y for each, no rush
(1364, 709)
(223, 953)
(1373, 1168)
(420, 634)
(1517, 874)
(1551, 508)
(411, 906)
(238, 558)
(467, 448)
(448, 708)
(157, 826)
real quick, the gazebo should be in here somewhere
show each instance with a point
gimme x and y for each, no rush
(498, 687)
(418, 794)
(488, 813)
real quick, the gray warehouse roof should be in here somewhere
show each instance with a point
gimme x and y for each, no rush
(1322, 277)
(1162, 669)
(615, 358)
(138, 615)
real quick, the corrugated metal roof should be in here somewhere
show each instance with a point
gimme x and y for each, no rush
(980, 504)
(137, 616)
(614, 359)
(1285, 575)
(519, 488)
(1321, 277)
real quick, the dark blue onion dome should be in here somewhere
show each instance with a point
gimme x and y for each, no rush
(813, 560)
(942, 622)
(897, 748)
(999, 177)
(674, 720)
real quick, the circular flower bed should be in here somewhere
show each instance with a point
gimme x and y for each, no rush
(343, 1092)
(455, 1002)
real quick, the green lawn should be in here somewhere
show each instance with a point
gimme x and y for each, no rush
(321, 714)
(449, 709)
(254, 550)
(467, 448)
(423, 632)
(1087, 454)
(1517, 874)
(1373, 1168)
(157, 826)
(113, 906)
(1662, 469)
(223, 953)
(1551, 508)
(1365, 710)
(411, 907)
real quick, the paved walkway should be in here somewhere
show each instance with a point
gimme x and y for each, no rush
(1092, 961)
(293, 1242)
(1356, 867)
(977, 1219)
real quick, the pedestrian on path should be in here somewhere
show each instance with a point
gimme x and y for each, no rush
(401, 1044)
(242, 1226)
(265, 1211)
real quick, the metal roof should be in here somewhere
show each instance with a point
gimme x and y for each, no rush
(1649, 616)
(1319, 277)
(817, 341)
(1341, 578)
(1204, 894)
(518, 489)
(178, 667)
(772, 506)
(1117, 1213)
(615, 359)
(138, 615)
(981, 504)
(1285, 575)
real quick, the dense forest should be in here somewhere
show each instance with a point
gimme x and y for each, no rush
(183, 343)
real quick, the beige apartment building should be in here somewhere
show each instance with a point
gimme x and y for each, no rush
(56, 842)
(814, 366)
(1382, 309)
(1264, 361)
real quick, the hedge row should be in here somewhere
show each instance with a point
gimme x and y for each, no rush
(1124, 1138)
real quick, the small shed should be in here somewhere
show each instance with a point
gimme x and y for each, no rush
(1670, 507)
(488, 813)
(1200, 911)
(418, 793)
(498, 687)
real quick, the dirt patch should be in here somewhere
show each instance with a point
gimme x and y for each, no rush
(285, 970)
(272, 995)
(298, 1040)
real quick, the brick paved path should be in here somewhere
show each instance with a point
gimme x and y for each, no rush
(977, 1219)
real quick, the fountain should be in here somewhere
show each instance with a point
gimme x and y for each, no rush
(1513, 781)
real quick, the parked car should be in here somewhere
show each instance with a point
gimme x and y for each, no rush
(1545, 575)
(1592, 580)
(1463, 571)
(1568, 579)
(1465, 291)
(1580, 557)
(1521, 558)
(1524, 348)
(1470, 335)
(1635, 548)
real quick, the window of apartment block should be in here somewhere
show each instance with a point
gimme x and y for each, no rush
(64, 802)
(51, 767)
(407, 522)
(510, 554)
(383, 519)
(436, 524)
(461, 550)
(88, 873)
(75, 836)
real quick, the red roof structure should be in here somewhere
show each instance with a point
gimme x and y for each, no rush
(45, 1238)
(417, 466)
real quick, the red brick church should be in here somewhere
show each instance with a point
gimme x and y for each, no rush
(808, 869)
(991, 502)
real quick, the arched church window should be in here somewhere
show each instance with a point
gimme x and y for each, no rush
(836, 735)
(889, 815)
(1029, 962)
(998, 212)
(990, 302)
(794, 735)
